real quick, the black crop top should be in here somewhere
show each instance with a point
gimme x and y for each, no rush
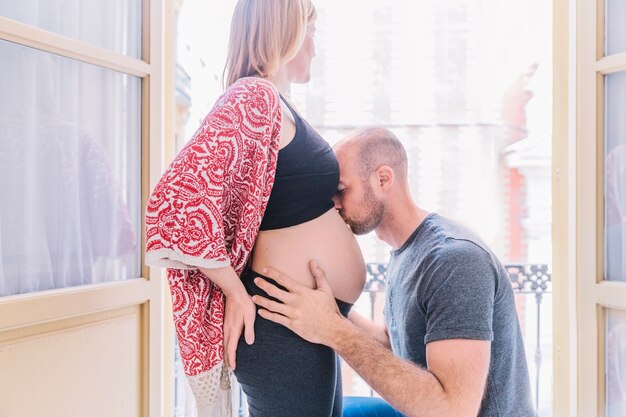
(307, 176)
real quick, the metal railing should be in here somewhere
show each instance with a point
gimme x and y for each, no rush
(537, 280)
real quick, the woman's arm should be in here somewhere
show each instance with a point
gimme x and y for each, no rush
(240, 310)
(193, 224)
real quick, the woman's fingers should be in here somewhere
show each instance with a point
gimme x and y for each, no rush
(240, 317)
(231, 349)
(248, 322)
(226, 339)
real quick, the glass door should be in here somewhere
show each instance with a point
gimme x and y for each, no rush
(601, 204)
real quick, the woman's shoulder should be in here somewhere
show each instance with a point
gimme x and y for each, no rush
(256, 85)
(250, 100)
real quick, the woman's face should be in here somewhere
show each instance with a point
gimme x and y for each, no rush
(299, 68)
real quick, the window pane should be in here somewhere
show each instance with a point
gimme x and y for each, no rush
(616, 363)
(110, 24)
(615, 37)
(69, 172)
(615, 177)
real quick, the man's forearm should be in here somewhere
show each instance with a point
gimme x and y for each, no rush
(377, 331)
(413, 391)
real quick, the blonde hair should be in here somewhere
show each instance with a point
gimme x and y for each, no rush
(264, 34)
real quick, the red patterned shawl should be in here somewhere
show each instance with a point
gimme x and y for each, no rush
(206, 211)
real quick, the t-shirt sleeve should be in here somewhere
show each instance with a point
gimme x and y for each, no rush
(459, 297)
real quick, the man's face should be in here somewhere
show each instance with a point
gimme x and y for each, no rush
(356, 200)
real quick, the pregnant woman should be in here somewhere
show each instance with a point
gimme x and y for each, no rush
(253, 188)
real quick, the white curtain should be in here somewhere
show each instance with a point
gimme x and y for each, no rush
(615, 178)
(110, 24)
(616, 363)
(69, 163)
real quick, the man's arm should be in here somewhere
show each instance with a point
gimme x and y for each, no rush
(453, 384)
(377, 331)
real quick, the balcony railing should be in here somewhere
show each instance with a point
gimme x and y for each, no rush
(531, 284)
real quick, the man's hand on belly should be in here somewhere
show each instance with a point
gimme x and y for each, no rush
(310, 313)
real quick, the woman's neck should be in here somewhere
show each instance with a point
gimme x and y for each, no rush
(280, 80)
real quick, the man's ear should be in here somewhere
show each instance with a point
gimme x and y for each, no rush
(385, 177)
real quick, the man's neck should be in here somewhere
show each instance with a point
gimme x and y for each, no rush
(400, 222)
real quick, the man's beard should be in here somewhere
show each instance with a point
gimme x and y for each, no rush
(374, 210)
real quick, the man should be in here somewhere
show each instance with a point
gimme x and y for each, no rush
(450, 312)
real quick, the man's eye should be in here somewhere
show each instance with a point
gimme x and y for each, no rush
(339, 191)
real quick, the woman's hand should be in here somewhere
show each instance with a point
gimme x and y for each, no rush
(239, 316)
(240, 310)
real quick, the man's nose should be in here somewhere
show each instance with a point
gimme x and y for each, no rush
(336, 201)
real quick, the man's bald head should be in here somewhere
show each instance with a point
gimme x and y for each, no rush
(373, 147)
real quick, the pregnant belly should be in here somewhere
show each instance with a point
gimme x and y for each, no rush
(328, 241)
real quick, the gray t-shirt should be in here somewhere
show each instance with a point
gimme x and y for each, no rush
(444, 283)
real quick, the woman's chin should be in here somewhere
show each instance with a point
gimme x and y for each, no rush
(302, 79)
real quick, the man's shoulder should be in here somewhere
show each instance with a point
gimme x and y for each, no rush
(445, 227)
(458, 247)
(457, 261)
(446, 247)
(451, 240)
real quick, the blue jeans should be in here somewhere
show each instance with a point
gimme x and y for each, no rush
(367, 407)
